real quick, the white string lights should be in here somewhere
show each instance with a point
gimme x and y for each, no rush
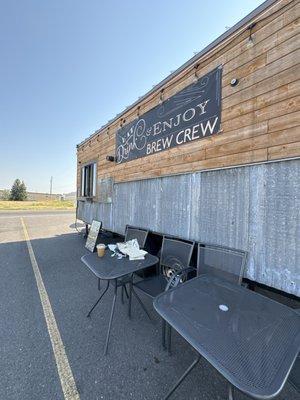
(196, 77)
(161, 96)
(250, 38)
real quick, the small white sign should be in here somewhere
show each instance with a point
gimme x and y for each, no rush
(93, 235)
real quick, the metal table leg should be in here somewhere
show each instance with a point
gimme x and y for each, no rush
(125, 289)
(169, 337)
(163, 332)
(122, 294)
(182, 377)
(86, 231)
(111, 317)
(89, 313)
(230, 392)
(130, 297)
(141, 303)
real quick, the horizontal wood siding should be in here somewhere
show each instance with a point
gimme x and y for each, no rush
(260, 116)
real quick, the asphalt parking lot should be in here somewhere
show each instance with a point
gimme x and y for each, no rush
(136, 367)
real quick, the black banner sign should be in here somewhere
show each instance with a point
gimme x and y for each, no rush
(191, 114)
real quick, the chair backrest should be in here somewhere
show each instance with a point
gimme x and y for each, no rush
(224, 262)
(140, 234)
(175, 255)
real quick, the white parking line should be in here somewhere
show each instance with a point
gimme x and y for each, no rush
(63, 367)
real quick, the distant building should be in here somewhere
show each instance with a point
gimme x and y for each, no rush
(70, 196)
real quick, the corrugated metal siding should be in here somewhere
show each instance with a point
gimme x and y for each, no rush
(254, 208)
(174, 213)
(87, 211)
(223, 213)
(274, 240)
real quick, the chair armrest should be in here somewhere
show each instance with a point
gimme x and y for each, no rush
(175, 278)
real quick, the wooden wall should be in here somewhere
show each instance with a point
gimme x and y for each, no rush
(260, 116)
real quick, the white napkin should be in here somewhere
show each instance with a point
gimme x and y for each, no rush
(114, 249)
(132, 249)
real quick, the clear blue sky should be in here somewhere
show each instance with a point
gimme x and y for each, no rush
(68, 66)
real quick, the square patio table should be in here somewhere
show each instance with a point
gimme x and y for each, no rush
(250, 339)
(112, 269)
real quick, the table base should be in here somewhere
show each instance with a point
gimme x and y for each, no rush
(129, 296)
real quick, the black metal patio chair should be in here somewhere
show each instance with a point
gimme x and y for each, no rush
(141, 235)
(223, 262)
(133, 232)
(175, 259)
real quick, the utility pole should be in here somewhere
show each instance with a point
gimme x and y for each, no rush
(51, 182)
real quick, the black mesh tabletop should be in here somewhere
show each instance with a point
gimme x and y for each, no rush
(251, 340)
(108, 267)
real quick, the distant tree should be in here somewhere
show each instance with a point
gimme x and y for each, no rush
(18, 191)
(5, 194)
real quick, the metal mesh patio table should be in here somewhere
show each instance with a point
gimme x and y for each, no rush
(112, 269)
(251, 340)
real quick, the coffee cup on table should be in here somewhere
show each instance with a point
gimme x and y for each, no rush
(100, 249)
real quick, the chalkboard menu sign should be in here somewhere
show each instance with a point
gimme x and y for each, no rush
(191, 114)
(91, 240)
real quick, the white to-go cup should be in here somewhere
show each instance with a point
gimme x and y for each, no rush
(100, 249)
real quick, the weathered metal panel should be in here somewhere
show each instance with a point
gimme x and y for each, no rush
(146, 199)
(174, 213)
(84, 211)
(87, 211)
(223, 208)
(103, 212)
(123, 206)
(275, 225)
(105, 190)
(137, 203)
(80, 209)
(161, 204)
(256, 208)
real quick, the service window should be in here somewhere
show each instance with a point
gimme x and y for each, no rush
(88, 180)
